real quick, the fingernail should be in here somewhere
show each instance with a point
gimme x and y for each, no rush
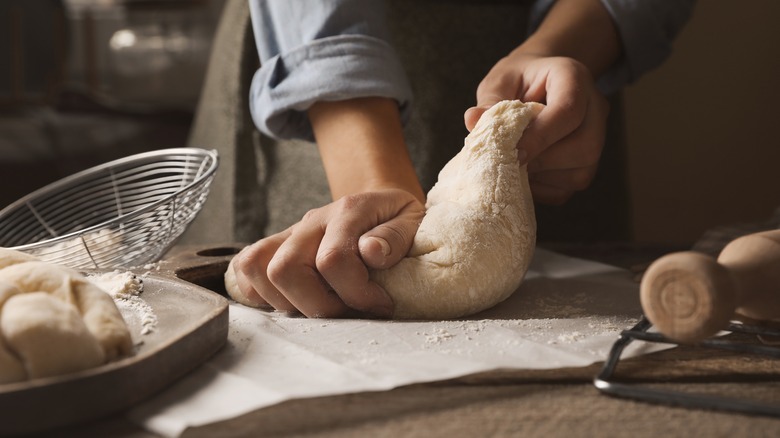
(383, 245)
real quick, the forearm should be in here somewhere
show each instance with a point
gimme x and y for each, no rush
(579, 29)
(362, 146)
(320, 51)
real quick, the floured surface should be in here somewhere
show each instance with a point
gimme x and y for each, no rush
(567, 313)
(126, 288)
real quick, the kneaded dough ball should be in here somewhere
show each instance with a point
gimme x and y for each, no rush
(48, 335)
(475, 243)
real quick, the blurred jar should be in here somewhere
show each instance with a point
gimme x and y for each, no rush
(159, 58)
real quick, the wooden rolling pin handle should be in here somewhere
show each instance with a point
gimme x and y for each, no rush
(690, 296)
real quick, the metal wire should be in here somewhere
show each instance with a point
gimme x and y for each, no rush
(606, 383)
(121, 214)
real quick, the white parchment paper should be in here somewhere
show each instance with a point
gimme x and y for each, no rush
(567, 313)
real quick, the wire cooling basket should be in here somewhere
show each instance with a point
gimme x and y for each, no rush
(122, 214)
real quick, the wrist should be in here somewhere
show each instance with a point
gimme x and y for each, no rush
(579, 29)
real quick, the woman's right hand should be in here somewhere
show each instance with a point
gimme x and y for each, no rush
(319, 266)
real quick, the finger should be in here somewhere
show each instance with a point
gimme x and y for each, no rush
(472, 115)
(579, 150)
(345, 272)
(293, 271)
(573, 152)
(565, 110)
(567, 179)
(340, 263)
(499, 84)
(549, 195)
(582, 148)
(240, 289)
(252, 272)
(387, 243)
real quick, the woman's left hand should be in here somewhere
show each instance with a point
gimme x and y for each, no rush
(562, 146)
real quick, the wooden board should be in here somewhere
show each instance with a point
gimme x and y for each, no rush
(192, 326)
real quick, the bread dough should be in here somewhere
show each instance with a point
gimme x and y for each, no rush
(29, 324)
(11, 367)
(96, 307)
(478, 235)
(231, 286)
(48, 335)
(10, 257)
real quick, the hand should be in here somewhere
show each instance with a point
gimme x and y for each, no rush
(562, 146)
(319, 266)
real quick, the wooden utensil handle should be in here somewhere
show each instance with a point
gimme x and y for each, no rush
(690, 296)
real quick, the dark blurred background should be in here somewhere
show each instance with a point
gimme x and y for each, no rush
(86, 81)
(83, 82)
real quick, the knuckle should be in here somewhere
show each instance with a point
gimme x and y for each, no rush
(244, 264)
(253, 259)
(280, 269)
(582, 71)
(351, 202)
(311, 215)
(575, 67)
(570, 107)
(328, 259)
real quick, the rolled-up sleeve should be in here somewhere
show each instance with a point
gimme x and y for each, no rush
(647, 30)
(323, 50)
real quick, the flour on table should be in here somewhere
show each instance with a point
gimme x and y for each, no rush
(125, 288)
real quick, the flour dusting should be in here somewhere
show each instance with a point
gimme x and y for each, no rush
(125, 288)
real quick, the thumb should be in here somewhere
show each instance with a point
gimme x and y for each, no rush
(387, 243)
(472, 115)
(494, 88)
(484, 101)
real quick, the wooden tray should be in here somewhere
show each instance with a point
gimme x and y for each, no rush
(192, 326)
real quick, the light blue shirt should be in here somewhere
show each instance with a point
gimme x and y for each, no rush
(330, 50)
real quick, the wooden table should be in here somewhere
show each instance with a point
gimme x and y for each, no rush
(560, 402)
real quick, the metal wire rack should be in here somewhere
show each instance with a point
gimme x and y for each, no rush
(605, 381)
(121, 214)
